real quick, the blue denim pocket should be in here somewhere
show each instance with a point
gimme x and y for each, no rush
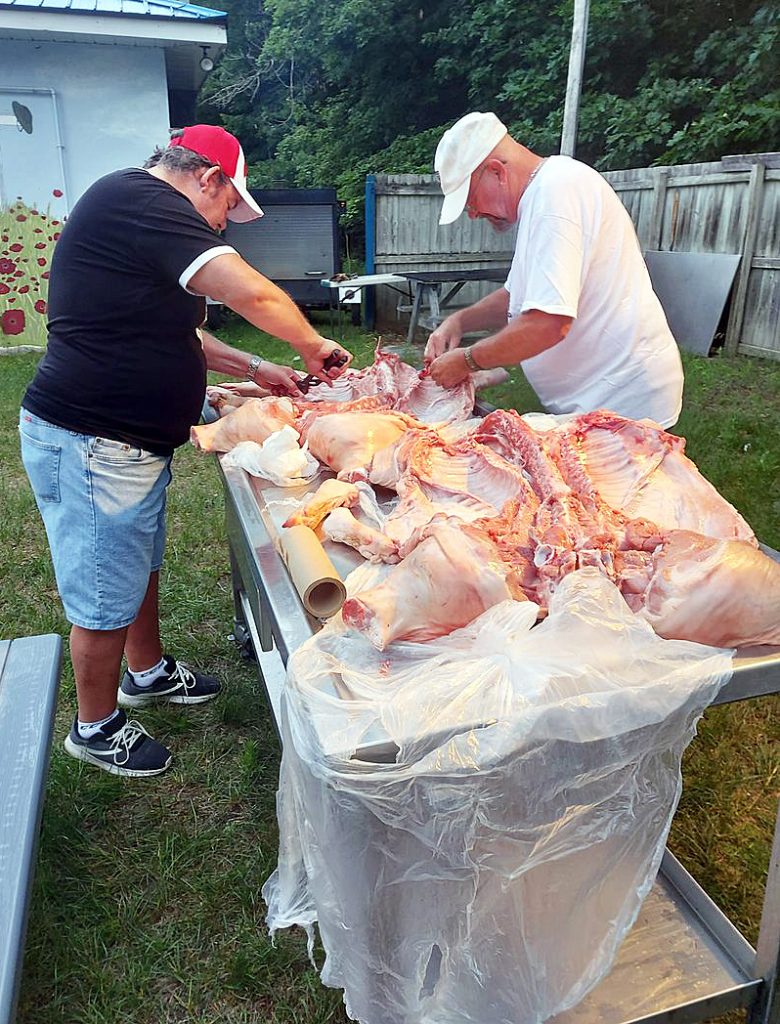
(115, 452)
(42, 463)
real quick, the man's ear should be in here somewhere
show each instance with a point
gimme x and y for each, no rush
(209, 178)
(499, 168)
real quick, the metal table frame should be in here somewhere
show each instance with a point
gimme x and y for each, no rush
(728, 974)
(429, 292)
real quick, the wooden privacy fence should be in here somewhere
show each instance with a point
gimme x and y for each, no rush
(730, 206)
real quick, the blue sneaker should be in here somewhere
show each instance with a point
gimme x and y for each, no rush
(179, 685)
(121, 748)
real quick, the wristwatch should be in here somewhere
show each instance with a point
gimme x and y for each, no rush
(471, 362)
(254, 366)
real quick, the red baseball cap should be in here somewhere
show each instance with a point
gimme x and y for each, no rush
(224, 149)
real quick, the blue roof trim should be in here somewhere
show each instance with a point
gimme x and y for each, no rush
(147, 8)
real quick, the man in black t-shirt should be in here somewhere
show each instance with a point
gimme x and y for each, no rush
(121, 383)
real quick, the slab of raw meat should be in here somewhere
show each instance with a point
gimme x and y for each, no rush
(342, 526)
(347, 442)
(725, 593)
(255, 420)
(429, 402)
(329, 495)
(641, 470)
(452, 576)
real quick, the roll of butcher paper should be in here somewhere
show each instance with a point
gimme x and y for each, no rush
(316, 580)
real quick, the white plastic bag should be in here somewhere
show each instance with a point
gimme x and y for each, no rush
(474, 822)
(279, 458)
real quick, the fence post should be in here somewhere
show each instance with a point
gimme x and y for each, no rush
(655, 231)
(739, 300)
(370, 215)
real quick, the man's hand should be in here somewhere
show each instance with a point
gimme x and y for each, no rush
(314, 359)
(279, 380)
(446, 337)
(449, 369)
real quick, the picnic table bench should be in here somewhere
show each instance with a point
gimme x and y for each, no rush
(29, 677)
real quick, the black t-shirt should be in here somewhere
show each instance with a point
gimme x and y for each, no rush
(124, 360)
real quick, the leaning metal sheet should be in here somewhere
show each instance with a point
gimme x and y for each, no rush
(683, 960)
(693, 288)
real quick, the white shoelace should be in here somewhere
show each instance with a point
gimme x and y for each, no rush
(124, 738)
(184, 676)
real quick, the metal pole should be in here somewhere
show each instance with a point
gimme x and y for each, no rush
(579, 35)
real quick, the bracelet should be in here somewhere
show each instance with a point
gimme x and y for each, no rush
(471, 362)
(254, 366)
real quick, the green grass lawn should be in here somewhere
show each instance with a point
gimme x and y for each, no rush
(146, 908)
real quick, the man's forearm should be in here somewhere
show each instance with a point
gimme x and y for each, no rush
(526, 336)
(489, 314)
(230, 280)
(221, 358)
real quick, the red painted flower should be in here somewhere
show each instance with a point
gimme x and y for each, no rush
(41, 261)
(11, 298)
(16, 247)
(24, 289)
(38, 231)
(40, 306)
(21, 217)
(40, 245)
(19, 273)
(35, 212)
(12, 321)
(7, 266)
(45, 275)
(56, 192)
(55, 223)
(4, 289)
(4, 238)
(55, 236)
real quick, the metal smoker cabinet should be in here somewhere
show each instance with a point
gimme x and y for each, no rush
(683, 962)
(296, 243)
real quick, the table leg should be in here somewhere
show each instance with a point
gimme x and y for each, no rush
(419, 289)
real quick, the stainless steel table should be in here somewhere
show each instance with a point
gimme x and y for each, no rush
(651, 982)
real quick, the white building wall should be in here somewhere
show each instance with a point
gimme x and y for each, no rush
(112, 107)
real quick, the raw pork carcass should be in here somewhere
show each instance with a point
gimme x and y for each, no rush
(452, 576)
(388, 376)
(720, 592)
(347, 442)
(255, 420)
(428, 402)
(641, 470)
(329, 495)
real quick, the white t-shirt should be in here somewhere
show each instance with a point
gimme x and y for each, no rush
(577, 255)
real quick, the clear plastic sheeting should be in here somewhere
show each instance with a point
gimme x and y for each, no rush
(474, 822)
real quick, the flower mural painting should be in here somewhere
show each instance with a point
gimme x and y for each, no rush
(28, 246)
(12, 321)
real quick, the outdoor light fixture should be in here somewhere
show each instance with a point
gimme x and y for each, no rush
(206, 63)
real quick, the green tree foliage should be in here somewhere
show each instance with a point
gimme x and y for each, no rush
(323, 94)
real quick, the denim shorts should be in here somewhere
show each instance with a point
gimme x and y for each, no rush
(103, 506)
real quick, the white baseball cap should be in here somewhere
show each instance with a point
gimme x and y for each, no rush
(460, 152)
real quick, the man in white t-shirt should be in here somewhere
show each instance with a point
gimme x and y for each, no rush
(578, 310)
